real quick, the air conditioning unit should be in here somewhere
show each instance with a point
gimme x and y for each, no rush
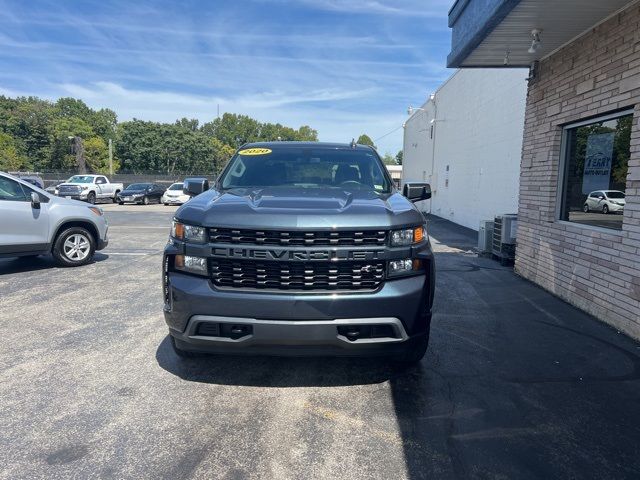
(485, 237)
(505, 228)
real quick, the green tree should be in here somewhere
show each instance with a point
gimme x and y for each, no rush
(97, 155)
(234, 130)
(389, 159)
(28, 121)
(365, 140)
(188, 123)
(10, 157)
(399, 157)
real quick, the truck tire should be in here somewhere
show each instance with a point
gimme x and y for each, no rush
(91, 198)
(115, 197)
(183, 353)
(415, 352)
(73, 247)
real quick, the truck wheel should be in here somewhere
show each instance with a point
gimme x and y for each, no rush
(91, 198)
(183, 353)
(115, 197)
(73, 247)
(415, 352)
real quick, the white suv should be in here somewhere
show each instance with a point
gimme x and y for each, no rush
(604, 201)
(34, 222)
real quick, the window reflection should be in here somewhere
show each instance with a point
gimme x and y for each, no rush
(596, 163)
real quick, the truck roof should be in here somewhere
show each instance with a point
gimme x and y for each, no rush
(280, 144)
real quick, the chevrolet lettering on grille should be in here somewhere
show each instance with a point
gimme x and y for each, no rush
(295, 255)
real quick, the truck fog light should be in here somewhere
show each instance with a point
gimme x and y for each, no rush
(187, 263)
(399, 267)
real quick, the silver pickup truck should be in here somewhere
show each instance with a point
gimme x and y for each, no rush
(90, 188)
(34, 222)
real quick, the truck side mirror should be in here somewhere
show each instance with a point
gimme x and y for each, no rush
(416, 191)
(195, 186)
(35, 200)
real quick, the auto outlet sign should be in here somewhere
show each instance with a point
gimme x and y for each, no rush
(597, 162)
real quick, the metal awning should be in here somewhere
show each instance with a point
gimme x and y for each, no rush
(498, 33)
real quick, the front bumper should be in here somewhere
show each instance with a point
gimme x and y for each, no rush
(130, 199)
(298, 323)
(285, 337)
(80, 196)
(174, 200)
(614, 208)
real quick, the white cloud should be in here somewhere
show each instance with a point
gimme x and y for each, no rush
(413, 8)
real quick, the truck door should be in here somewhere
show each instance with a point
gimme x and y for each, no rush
(24, 228)
(102, 187)
(107, 188)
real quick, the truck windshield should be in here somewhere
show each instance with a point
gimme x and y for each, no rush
(80, 179)
(306, 167)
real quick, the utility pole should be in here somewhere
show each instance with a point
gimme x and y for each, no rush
(110, 157)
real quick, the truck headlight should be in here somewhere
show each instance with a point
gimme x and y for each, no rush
(407, 236)
(188, 233)
(189, 264)
(85, 187)
(404, 267)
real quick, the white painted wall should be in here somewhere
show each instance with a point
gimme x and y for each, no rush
(477, 118)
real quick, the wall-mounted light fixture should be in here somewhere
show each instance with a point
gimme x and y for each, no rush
(536, 43)
(410, 110)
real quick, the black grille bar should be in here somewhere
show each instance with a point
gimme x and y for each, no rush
(301, 238)
(296, 275)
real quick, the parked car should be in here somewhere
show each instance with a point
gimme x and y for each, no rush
(143, 193)
(32, 179)
(90, 188)
(35, 222)
(300, 248)
(174, 195)
(605, 201)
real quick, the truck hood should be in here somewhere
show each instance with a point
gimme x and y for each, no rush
(303, 208)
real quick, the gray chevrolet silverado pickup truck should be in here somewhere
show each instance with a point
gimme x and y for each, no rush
(300, 249)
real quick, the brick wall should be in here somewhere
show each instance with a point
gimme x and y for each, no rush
(595, 269)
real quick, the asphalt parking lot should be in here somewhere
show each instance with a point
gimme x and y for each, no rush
(516, 383)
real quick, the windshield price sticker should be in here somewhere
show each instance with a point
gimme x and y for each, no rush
(255, 151)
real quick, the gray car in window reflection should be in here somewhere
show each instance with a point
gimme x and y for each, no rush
(605, 201)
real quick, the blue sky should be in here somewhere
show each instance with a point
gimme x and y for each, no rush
(344, 67)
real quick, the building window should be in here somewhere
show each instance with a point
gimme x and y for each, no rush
(596, 156)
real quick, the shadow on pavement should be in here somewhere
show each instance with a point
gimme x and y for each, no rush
(41, 262)
(516, 383)
(279, 372)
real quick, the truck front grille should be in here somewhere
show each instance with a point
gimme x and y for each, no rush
(313, 238)
(268, 275)
(69, 189)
